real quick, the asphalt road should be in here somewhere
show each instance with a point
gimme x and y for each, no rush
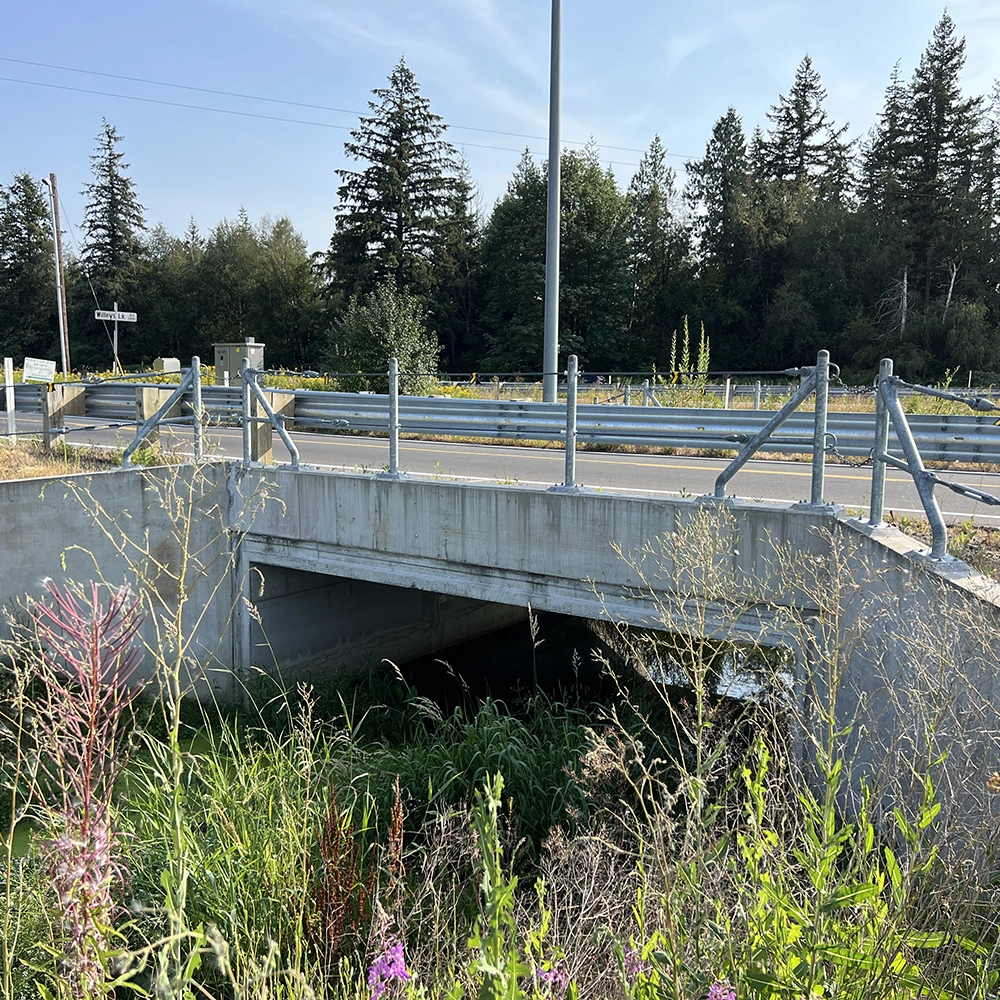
(766, 481)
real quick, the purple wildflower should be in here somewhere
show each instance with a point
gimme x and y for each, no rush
(86, 668)
(387, 969)
(721, 991)
(554, 978)
(634, 964)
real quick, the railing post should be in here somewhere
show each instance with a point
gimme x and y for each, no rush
(393, 416)
(571, 385)
(245, 402)
(645, 393)
(881, 446)
(627, 398)
(756, 395)
(8, 380)
(922, 479)
(729, 393)
(199, 434)
(822, 374)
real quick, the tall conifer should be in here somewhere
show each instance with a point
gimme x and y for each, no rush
(393, 211)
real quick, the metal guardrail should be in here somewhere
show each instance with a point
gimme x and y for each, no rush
(943, 438)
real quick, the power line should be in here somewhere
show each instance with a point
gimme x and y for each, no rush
(298, 104)
(247, 114)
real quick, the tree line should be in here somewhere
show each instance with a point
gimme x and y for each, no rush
(780, 242)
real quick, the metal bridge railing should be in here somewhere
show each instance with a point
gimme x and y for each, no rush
(889, 411)
(918, 438)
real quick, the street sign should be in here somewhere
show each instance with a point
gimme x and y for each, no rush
(118, 317)
(37, 370)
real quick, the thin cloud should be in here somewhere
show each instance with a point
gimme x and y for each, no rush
(681, 47)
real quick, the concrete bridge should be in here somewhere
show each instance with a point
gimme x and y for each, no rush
(308, 571)
(331, 566)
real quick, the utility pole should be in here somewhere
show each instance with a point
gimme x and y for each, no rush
(550, 347)
(52, 185)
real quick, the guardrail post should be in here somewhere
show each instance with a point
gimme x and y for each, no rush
(199, 432)
(571, 386)
(245, 407)
(58, 402)
(148, 399)
(645, 393)
(729, 393)
(756, 395)
(881, 446)
(261, 429)
(8, 381)
(394, 416)
(822, 375)
(627, 398)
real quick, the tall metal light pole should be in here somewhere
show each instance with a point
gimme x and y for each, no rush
(550, 347)
(50, 183)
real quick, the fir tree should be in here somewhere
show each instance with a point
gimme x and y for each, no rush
(393, 212)
(657, 247)
(803, 144)
(113, 221)
(27, 282)
(943, 139)
(883, 157)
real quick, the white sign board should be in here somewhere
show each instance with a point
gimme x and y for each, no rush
(36, 370)
(118, 317)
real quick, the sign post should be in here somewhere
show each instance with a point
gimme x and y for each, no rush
(118, 317)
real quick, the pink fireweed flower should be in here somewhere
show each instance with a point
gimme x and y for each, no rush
(387, 969)
(554, 978)
(86, 668)
(634, 964)
(721, 991)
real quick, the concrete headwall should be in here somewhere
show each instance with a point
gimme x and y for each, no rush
(129, 526)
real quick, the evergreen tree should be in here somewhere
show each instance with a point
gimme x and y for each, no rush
(111, 255)
(719, 187)
(167, 302)
(288, 298)
(229, 277)
(393, 212)
(513, 261)
(113, 221)
(883, 157)
(658, 249)
(723, 194)
(594, 274)
(27, 277)
(803, 145)
(943, 140)
(456, 296)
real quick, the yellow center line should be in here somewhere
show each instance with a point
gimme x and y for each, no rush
(551, 455)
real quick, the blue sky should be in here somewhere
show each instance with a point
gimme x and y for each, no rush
(631, 70)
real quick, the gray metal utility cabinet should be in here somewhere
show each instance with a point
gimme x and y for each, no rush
(229, 358)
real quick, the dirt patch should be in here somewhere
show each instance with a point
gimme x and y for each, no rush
(30, 460)
(978, 546)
